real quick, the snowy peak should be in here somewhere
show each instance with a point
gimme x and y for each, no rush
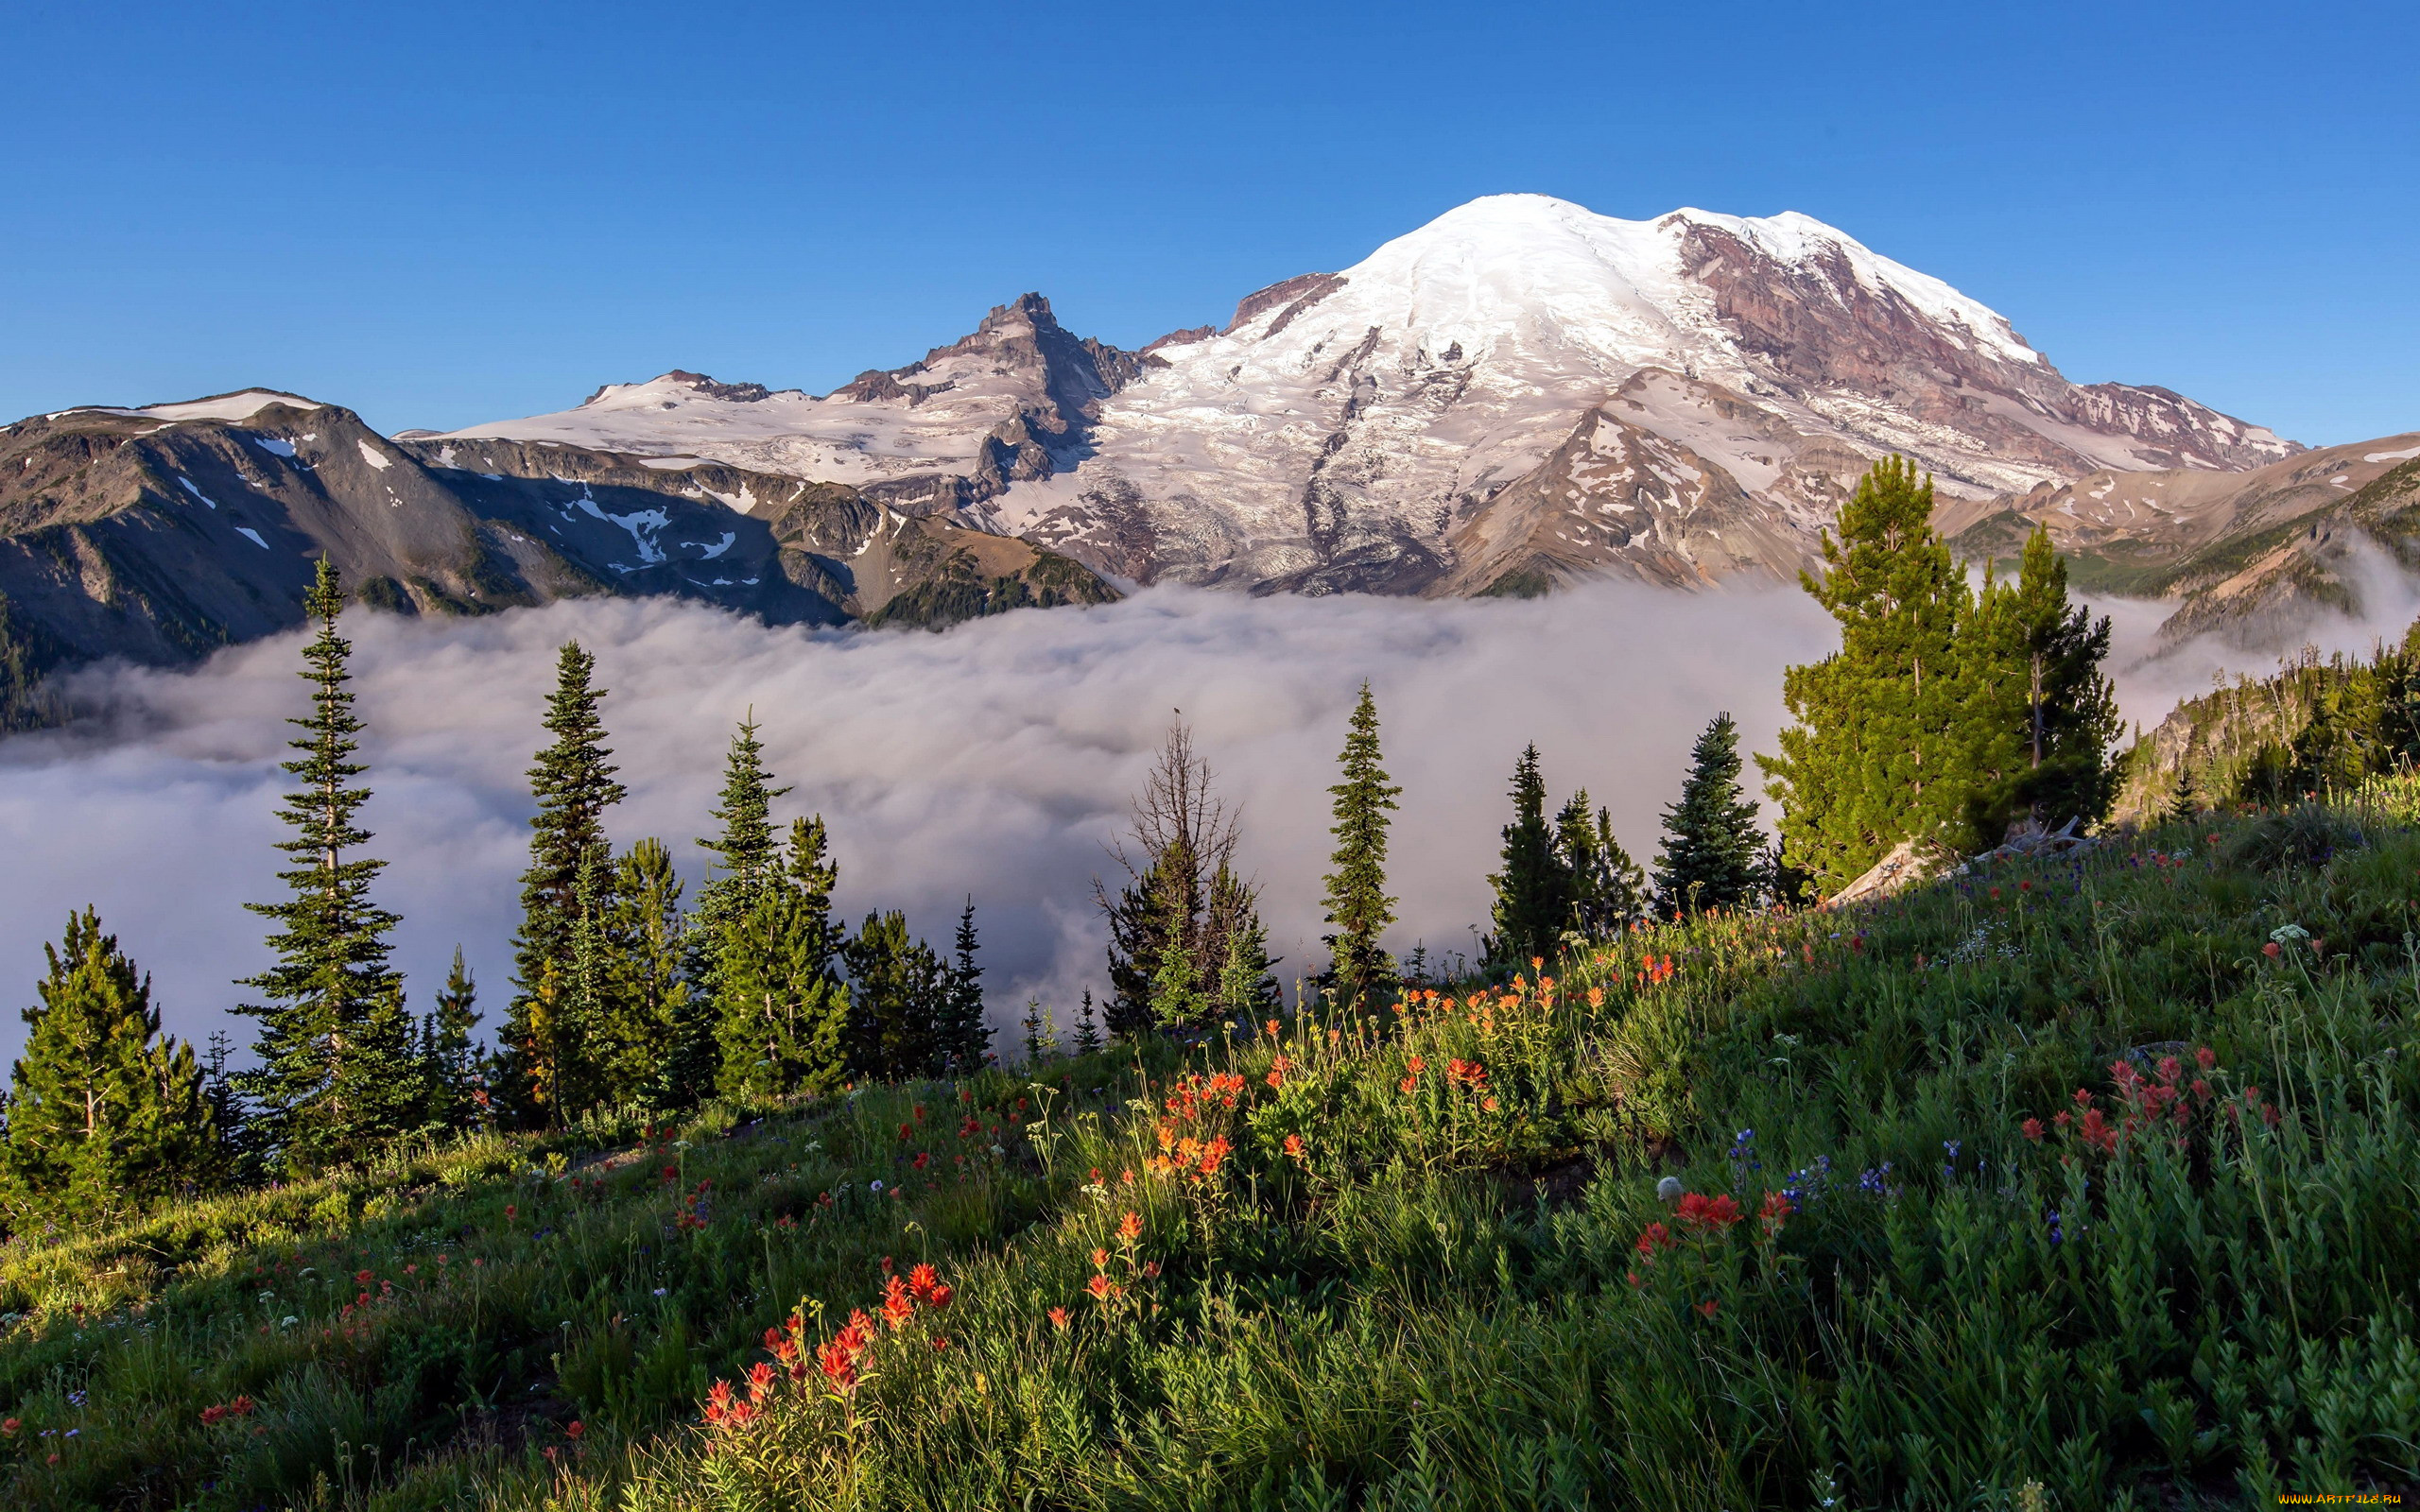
(1682, 398)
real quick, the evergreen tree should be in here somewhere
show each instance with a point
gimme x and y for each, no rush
(1358, 969)
(784, 1018)
(647, 994)
(452, 1073)
(335, 1043)
(1248, 991)
(1087, 1027)
(104, 1116)
(2187, 803)
(2042, 718)
(965, 1037)
(573, 783)
(1608, 889)
(1533, 891)
(1879, 751)
(1170, 923)
(724, 928)
(898, 993)
(1712, 848)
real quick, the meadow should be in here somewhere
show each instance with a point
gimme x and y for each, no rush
(2082, 1183)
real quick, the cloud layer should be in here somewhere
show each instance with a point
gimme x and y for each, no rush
(993, 759)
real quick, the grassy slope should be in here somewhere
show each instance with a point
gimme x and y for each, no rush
(1439, 1302)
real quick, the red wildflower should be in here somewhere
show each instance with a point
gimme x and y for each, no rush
(922, 1156)
(1295, 1146)
(760, 1380)
(940, 1299)
(1776, 1208)
(1058, 1317)
(921, 1280)
(2270, 950)
(1416, 1065)
(575, 1428)
(897, 1306)
(361, 1278)
(1702, 1212)
(1707, 1307)
(2032, 1130)
(509, 1211)
(2205, 1057)
(839, 1366)
(1409, 1083)
(1100, 1259)
(1655, 1238)
(1103, 1287)
(940, 1343)
(1129, 1228)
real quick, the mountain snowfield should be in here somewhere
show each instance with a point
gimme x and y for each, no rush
(1519, 393)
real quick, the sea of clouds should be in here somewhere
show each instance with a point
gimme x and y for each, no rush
(994, 761)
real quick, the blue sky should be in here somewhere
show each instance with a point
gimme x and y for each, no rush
(442, 214)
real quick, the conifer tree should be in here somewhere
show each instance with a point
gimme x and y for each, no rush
(1712, 848)
(1533, 891)
(648, 993)
(965, 1037)
(1087, 1027)
(1877, 753)
(1358, 969)
(2042, 717)
(335, 1043)
(104, 1116)
(783, 1015)
(452, 1073)
(1608, 889)
(720, 929)
(573, 783)
(899, 991)
(1182, 845)
(1247, 993)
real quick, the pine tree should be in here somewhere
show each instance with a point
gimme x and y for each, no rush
(1358, 969)
(2186, 804)
(1087, 1027)
(104, 1116)
(2042, 716)
(965, 1037)
(456, 1082)
(333, 1042)
(1247, 993)
(1712, 848)
(1184, 842)
(647, 994)
(573, 783)
(1533, 891)
(898, 995)
(722, 931)
(782, 1016)
(1608, 889)
(1879, 752)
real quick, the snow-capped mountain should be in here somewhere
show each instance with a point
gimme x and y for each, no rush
(950, 431)
(1519, 393)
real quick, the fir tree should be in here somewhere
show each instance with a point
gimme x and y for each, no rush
(573, 783)
(1247, 993)
(965, 1037)
(1712, 848)
(648, 994)
(1608, 889)
(1183, 844)
(1031, 1024)
(1087, 1027)
(104, 1116)
(2186, 804)
(335, 1043)
(1879, 752)
(898, 993)
(1533, 891)
(721, 930)
(1358, 969)
(456, 1081)
(782, 1016)
(2042, 717)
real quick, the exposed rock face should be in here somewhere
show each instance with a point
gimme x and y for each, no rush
(158, 539)
(1523, 393)
(2247, 555)
(1012, 402)
(1517, 395)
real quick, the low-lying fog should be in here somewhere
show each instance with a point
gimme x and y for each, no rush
(993, 760)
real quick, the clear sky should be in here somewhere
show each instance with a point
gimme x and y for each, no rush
(441, 214)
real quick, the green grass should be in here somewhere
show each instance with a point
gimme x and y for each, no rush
(1400, 1283)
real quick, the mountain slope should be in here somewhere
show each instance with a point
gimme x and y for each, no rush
(2247, 555)
(159, 535)
(1012, 401)
(1690, 395)
(1519, 393)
